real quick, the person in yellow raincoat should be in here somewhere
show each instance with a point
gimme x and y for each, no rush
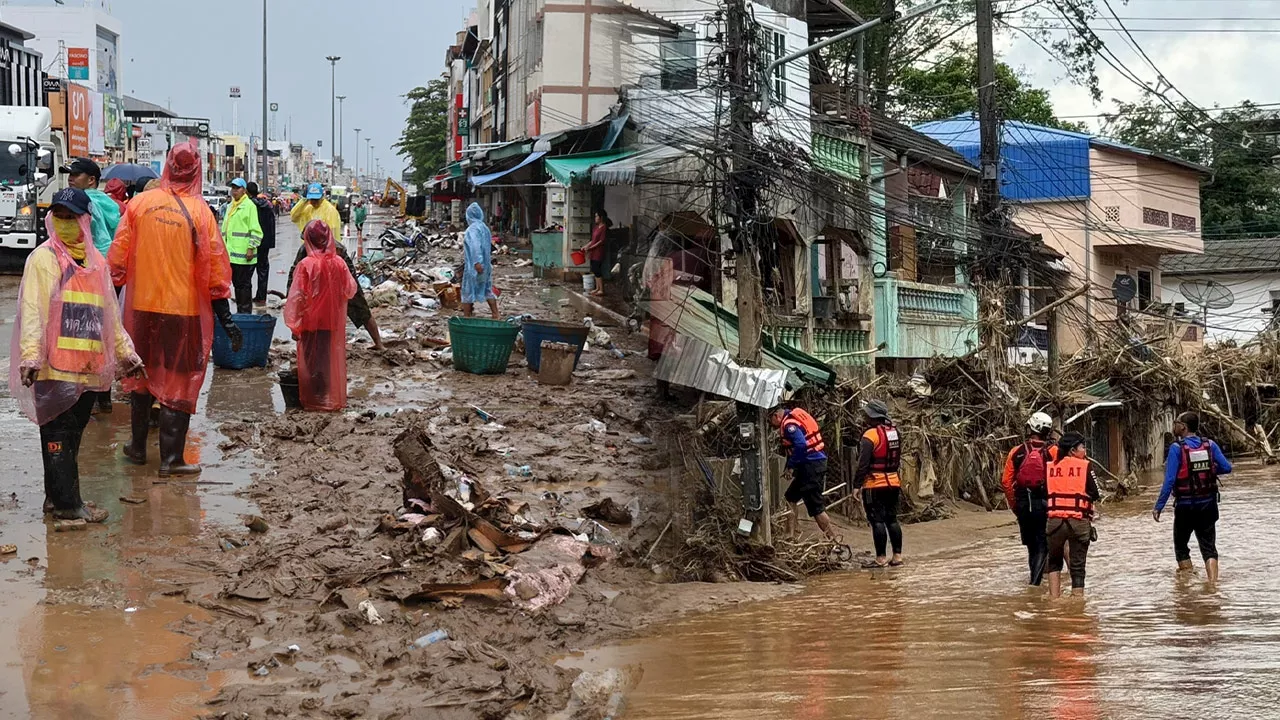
(316, 207)
(68, 347)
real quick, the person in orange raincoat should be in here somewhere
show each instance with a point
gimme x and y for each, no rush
(169, 256)
(316, 312)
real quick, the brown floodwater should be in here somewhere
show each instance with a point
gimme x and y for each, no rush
(961, 636)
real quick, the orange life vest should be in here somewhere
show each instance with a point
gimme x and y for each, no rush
(1066, 484)
(77, 347)
(886, 456)
(812, 433)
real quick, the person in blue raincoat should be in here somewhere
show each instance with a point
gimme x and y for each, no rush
(477, 264)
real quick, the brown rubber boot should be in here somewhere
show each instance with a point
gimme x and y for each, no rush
(140, 425)
(173, 443)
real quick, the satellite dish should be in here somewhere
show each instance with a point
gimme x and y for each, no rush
(1208, 294)
(1124, 289)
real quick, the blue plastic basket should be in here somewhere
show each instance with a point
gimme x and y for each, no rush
(536, 331)
(257, 331)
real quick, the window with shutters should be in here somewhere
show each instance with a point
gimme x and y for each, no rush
(1151, 216)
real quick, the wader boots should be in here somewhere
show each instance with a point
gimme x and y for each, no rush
(173, 441)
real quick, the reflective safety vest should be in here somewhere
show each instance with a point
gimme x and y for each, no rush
(1197, 477)
(886, 456)
(1067, 484)
(78, 346)
(812, 433)
(241, 231)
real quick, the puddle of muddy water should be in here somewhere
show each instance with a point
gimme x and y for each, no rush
(965, 638)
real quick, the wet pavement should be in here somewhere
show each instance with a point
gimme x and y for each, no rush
(89, 627)
(963, 637)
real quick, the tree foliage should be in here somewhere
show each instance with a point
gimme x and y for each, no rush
(949, 88)
(893, 50)
(426, 131)
(1237, 144)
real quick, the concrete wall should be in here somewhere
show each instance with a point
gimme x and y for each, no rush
(1249, 312)
(74, 26)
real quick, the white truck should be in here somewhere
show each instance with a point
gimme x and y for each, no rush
(30, 153)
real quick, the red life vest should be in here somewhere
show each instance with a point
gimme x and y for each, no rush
(1067, 483)
(1197, 477)
(812, 433)
(76, 342)
(1033, 467)
(886, 456)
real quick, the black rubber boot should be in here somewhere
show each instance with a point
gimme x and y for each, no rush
(1036, 559)
(62, 445)
(104, 403)
(173, 443)
(140, 424)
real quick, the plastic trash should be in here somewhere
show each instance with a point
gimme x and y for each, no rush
(442, 274)
(431, 638)
(369, 612)
(641, 440)
(483, 415)
(432, 536)
(518, 470)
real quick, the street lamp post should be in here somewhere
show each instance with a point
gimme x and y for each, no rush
(333, 111)
(340, 99)
(356, 174)
(265, 159)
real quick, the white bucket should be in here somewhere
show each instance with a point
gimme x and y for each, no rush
(588, 282)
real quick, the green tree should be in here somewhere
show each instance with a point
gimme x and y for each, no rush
(1243, 196)
(426, 131)
(949, 88)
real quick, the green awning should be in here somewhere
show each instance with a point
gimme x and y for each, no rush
(510, 150)
(568, 169)
(454, 169)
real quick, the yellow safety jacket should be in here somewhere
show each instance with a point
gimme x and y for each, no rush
(241, 231)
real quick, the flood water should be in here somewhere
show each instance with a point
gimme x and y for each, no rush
(961, 636)
(90, 625)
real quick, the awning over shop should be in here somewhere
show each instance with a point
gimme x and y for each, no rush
(645, 162)
(569, 168)
(695, 313)
(482, 179)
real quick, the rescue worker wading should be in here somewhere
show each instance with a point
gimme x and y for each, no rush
(243, 234)
(802, 441)
(879, 455)
(1024, 485)
(1072, 486)
(68, 345)
(1191, 476)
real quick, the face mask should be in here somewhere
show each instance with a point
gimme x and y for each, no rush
(68, 230)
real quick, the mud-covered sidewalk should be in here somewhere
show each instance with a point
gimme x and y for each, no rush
(434, 549)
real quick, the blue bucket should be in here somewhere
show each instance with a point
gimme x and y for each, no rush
(257, 331)
(536, 331)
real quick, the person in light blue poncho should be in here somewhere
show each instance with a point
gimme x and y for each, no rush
(477, 265)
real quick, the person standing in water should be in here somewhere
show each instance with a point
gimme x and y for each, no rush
(879, 457)
(1024, 476)
(1191, 473)
(477, 265)
(807, 459)
(1072, 489)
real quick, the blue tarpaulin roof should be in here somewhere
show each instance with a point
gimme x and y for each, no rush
(482, 179)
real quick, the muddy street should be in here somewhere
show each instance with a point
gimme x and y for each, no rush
(961, 636)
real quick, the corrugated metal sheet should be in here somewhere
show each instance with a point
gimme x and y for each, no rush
(645, 163)
(690, 362)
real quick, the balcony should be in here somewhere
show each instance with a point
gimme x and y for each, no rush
(833, 346)
(919, 320)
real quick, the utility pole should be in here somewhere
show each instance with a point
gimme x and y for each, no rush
(340, 99)
(990, 214)
(742, 197)
(333, 111)
(265, 137)
(356, 174)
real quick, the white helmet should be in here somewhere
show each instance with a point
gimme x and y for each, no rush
(1039, 422)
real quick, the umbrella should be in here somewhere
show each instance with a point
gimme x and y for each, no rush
(129, 173)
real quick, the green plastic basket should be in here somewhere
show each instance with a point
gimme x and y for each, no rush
(481, 346)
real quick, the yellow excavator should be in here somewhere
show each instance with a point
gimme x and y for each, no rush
(388, 198)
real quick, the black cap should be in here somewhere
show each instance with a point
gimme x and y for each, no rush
(73, 199)
(876, 410)
(82, 165)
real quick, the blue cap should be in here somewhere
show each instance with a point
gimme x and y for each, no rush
(238, 182)
(73, 199)
(315, 191)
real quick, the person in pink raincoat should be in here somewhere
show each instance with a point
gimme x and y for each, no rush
(68, 345)
(316, 312)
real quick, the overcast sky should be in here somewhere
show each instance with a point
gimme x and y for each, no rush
(187, 54)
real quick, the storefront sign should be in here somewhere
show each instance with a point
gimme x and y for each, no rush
(78, 111)
(78, 63)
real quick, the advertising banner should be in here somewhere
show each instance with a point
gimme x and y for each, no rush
(114, 121)
(77, 120)
(97, 125)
